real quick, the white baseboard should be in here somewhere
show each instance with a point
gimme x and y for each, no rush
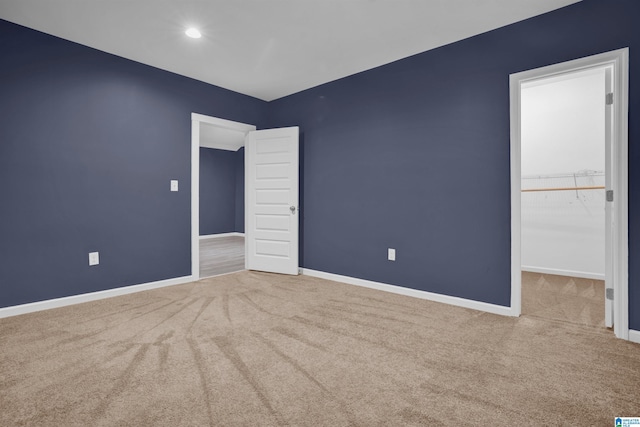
(214, 236)
(558, 272)
(634, 336)
(92, 296)
(446, 299)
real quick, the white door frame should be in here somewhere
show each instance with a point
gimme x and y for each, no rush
(196, 119)
(619, 60)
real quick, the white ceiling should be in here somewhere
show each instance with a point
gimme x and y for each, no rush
(269, 48)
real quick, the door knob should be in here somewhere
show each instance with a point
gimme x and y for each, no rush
(292, 209)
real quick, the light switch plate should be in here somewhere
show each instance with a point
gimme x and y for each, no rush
(94, 258)
(174, 185)
(391, 254)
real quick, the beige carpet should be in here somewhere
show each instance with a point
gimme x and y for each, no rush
(570, 299)
(256, 349)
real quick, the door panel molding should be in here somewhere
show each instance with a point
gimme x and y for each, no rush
(271, 200)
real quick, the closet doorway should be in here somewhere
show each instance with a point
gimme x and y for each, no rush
(569, 191)
(563, 144)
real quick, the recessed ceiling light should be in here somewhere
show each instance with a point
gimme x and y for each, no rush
(193, 33)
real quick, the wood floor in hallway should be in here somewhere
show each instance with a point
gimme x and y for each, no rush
(221, 255)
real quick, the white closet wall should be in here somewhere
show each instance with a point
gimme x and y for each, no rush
(563, 149)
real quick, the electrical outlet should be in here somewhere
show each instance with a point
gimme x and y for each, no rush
(174, 185)
(94, 258)
(391, 254)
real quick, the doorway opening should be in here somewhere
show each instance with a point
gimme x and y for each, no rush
(217, 215)
(563, 177)
(569, 155)
(270, 208)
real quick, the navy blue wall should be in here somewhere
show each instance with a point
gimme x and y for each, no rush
(88, 145)
(217, 191)
(414, 155)
(239, 196)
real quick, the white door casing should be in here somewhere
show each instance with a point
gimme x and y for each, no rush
(271, 200)
(609, 207)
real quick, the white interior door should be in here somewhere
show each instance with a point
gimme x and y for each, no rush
(609, 206)
(271, 220)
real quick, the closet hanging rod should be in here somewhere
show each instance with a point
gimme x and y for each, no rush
(563, 189)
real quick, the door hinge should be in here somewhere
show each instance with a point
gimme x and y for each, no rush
(609, 99)
(609, 195)
(609, 294)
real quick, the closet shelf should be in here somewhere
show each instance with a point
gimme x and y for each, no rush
(597, 187)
